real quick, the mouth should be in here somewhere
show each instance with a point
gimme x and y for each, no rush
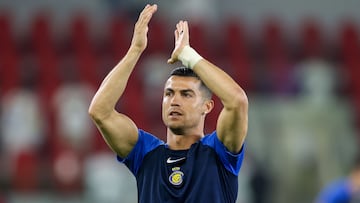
(175, 113)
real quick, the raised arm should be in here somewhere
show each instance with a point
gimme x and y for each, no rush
(118, 130)
(232, 123)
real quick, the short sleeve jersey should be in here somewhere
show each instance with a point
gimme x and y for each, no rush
(338, 191)
(207, 172)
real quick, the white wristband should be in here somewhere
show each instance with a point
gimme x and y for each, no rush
(189, 57)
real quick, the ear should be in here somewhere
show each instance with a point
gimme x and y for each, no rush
(208, 106)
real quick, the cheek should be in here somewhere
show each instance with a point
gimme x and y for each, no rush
(164, 102)
(196, 109)
(163, 110)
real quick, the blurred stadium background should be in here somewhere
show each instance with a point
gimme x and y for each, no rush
(299, 62)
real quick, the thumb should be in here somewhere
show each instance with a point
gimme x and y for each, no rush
(170, 61)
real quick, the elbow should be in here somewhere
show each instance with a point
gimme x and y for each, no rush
(93, 113)
(96, 113)
(239, 101)
(242, 99)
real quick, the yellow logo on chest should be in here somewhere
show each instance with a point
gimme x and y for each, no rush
(176, 177)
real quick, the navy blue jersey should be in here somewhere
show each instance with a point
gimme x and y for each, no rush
(207, 172)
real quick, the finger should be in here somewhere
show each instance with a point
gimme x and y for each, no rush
(186, 27)
(178, 27)
(146, 14)
(148, 10)
(170, 61)
(154, 8)
(144, 11)
(181, 25)
(176, 33)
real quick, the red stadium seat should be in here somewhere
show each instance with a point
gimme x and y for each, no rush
(351, 69)
(235, 43)
(79, 29)
(9, 72)
(273, 37)
(236, 50)
(87, 64)
(84, 50)
(199, 39)
(41, 33)
(119, 36)
(26, 173)
(312, 40)
(9, 58)
(42, 41)
(277, 59)
(349, 40)
(350, 55)
(159, 40)
(241, 71)
(132, 103)
(7, 39)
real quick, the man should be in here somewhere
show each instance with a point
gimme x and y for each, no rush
(343, 190)
(189, 167)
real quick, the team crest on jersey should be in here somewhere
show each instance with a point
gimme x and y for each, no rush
(176, 177)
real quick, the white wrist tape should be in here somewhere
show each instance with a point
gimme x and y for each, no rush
(189, 57)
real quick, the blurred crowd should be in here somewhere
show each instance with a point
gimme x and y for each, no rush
(304, 96)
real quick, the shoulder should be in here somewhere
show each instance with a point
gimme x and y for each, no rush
(213, 141)
(146, 143)
(149, 137)
(232, 162)
(338, 190)
(209, 139)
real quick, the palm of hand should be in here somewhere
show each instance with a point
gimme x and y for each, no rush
(140, 37)
(139, 40)
(181, 40)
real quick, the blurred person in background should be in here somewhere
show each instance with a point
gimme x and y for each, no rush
(23, 130)
(106, 181)
(73, 133)
(22, 121)
(70, 102)
(190, 162)
(343, 190)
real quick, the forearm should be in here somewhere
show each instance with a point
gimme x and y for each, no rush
(220, 83)
(114, 85)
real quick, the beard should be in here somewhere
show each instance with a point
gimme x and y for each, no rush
(181, 128)
(177, 130)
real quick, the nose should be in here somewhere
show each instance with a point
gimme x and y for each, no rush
(174, 101)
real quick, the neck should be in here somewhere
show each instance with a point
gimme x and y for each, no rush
(182, 141)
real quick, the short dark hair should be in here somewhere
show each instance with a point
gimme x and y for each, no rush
(187, 72)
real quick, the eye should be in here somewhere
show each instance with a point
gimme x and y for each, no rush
(168, 93)
(186, 94)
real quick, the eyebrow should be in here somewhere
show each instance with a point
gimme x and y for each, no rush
(187, 91)
(182, 91)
